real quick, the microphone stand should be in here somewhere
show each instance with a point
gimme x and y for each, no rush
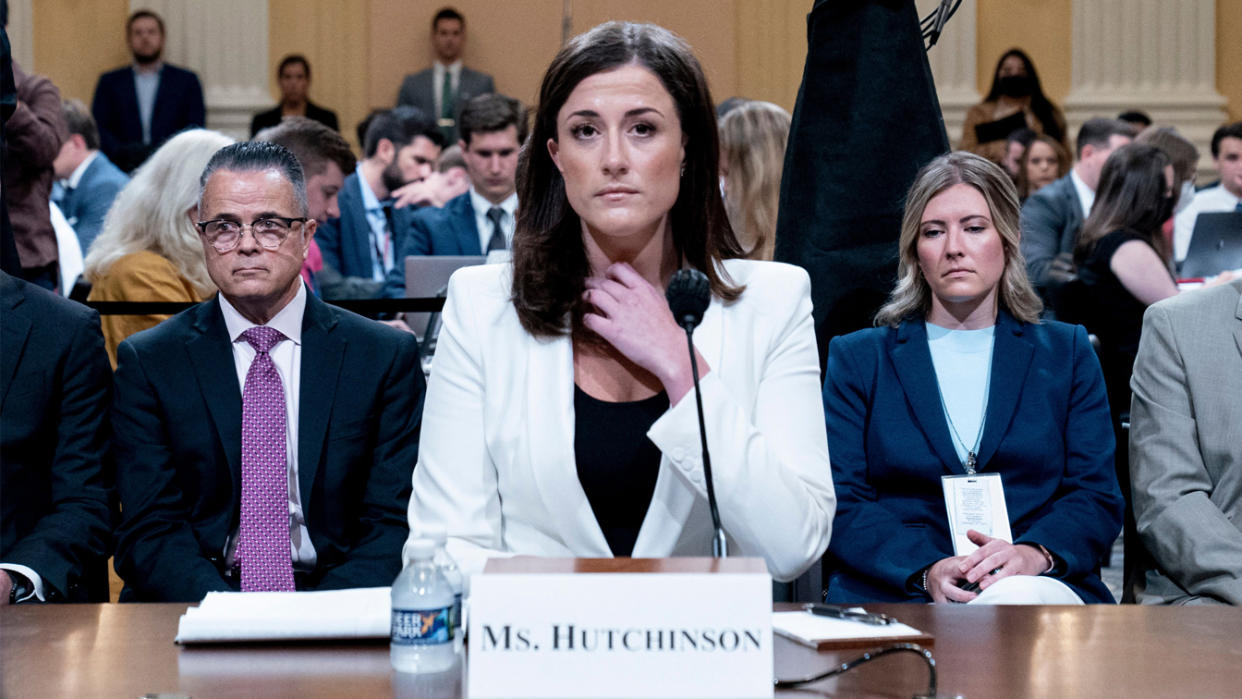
(720, 547)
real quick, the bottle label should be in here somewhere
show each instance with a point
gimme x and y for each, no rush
(421, 627)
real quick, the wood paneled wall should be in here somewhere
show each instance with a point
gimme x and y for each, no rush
(1039, 27)
(76, 40)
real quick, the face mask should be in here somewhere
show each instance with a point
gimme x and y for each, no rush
(1015, 86)
(1165, 212)
(1185, 196)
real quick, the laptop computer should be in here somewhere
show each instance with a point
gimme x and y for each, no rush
(427, 276)
(1215, 245)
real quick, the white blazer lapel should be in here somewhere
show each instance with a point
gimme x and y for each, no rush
(550, 449)
(673, 499)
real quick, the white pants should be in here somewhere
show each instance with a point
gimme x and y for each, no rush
(1027, 589)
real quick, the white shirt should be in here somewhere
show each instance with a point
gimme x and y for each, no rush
(483, 224)
(1206, 201)
(963, 363)
(381, 238)
(287, 356)
(147, 86)
(1086, 195)
(438, 70)
(76, 176)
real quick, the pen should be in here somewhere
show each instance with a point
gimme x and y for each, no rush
(848, 614)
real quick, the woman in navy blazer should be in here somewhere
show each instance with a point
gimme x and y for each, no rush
(898, 420)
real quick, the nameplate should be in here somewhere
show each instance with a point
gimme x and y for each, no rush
(673, 627)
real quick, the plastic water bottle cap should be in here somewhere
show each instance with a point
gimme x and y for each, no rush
(437, 534)
(422, 549)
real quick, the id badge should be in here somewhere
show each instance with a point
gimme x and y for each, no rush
(976, 502)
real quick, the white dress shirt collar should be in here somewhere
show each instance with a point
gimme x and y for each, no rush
(1086, 195)
(80, 170)
(484, 225)
(288, 320)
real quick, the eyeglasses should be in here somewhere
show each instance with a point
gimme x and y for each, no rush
(269, 232)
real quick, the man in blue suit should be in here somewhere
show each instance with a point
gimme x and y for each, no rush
(139, 106)
(401, 147)
(483, 219)
(267, 438)
(88, 180)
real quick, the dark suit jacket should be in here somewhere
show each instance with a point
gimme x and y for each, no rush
(1047, 432)
(345, 242)
(272, 117)
(450, 230)
(418, 90)
(177, 419)
(1051, 219)
(178, 105)
(86, 205)
(55, 484)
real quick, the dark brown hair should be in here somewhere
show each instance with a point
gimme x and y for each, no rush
(312, 143)
(1129, 197)
(1063, 163)
(549, 260)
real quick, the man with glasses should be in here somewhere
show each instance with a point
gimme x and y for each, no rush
(265, 440)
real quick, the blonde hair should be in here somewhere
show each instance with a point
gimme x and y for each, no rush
(911, 298)
(752, 147)
(150, 213)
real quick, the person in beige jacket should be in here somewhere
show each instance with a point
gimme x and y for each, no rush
(1186, 448)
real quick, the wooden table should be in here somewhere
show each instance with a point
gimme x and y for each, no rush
(116, 650)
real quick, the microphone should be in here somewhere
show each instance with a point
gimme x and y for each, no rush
(689, 293)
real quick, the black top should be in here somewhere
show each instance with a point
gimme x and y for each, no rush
(617, 463)
(272, 117)
(1113, 315)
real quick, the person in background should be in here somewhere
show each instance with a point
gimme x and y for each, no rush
(148, 249)
(1135, 118)
(1226, 195)
(1042, 163)
(89, 182)
(752, 158)
(1186, 450)
(960, 377)
(559, 418)
(141, 105)
(266, 437)
(1185, 160)
(294, 77)
(1015, 148)
(444, 88)
(325, 157)
(1052, 217)
(1015, 99)
(55, 471)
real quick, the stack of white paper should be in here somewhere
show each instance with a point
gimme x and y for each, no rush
(809, 629)
(287, 616)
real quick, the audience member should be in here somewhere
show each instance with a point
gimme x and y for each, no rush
(1043, 162)
(89, 181)
(729, 105)
(55, 479)
(294, 77)
(444, 88)
(1052, 217)
(571, 360)
(1185, 160)
(401, 147)
(139, 106)
(33, 134)
(1224, 196)
(959, 378)
(1015, 148)
(149, 249)
(1136, 119)
(1186, 449)
(263, 401)
(752, 159)
(1015, 99)
(454, 176)
(481, 220)
(325, 157)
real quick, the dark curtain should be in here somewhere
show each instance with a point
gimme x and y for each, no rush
(866, 120)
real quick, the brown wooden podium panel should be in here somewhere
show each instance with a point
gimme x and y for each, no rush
(1095, 651)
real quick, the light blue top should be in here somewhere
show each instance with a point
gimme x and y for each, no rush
(146, 84)
(381, 241)
(963, 363)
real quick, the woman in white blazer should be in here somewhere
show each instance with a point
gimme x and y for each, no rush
(558, 419)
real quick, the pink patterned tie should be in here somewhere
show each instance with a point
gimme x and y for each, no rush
(263, 549)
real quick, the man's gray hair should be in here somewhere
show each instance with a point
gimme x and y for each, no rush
(258, 156)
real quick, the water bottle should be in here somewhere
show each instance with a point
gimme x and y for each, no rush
(452, 574)
(422, 635)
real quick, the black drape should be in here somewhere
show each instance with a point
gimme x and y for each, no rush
(866, 120)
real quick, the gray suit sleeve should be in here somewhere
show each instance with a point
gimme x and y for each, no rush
(1192, 540)
(1041, 234)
